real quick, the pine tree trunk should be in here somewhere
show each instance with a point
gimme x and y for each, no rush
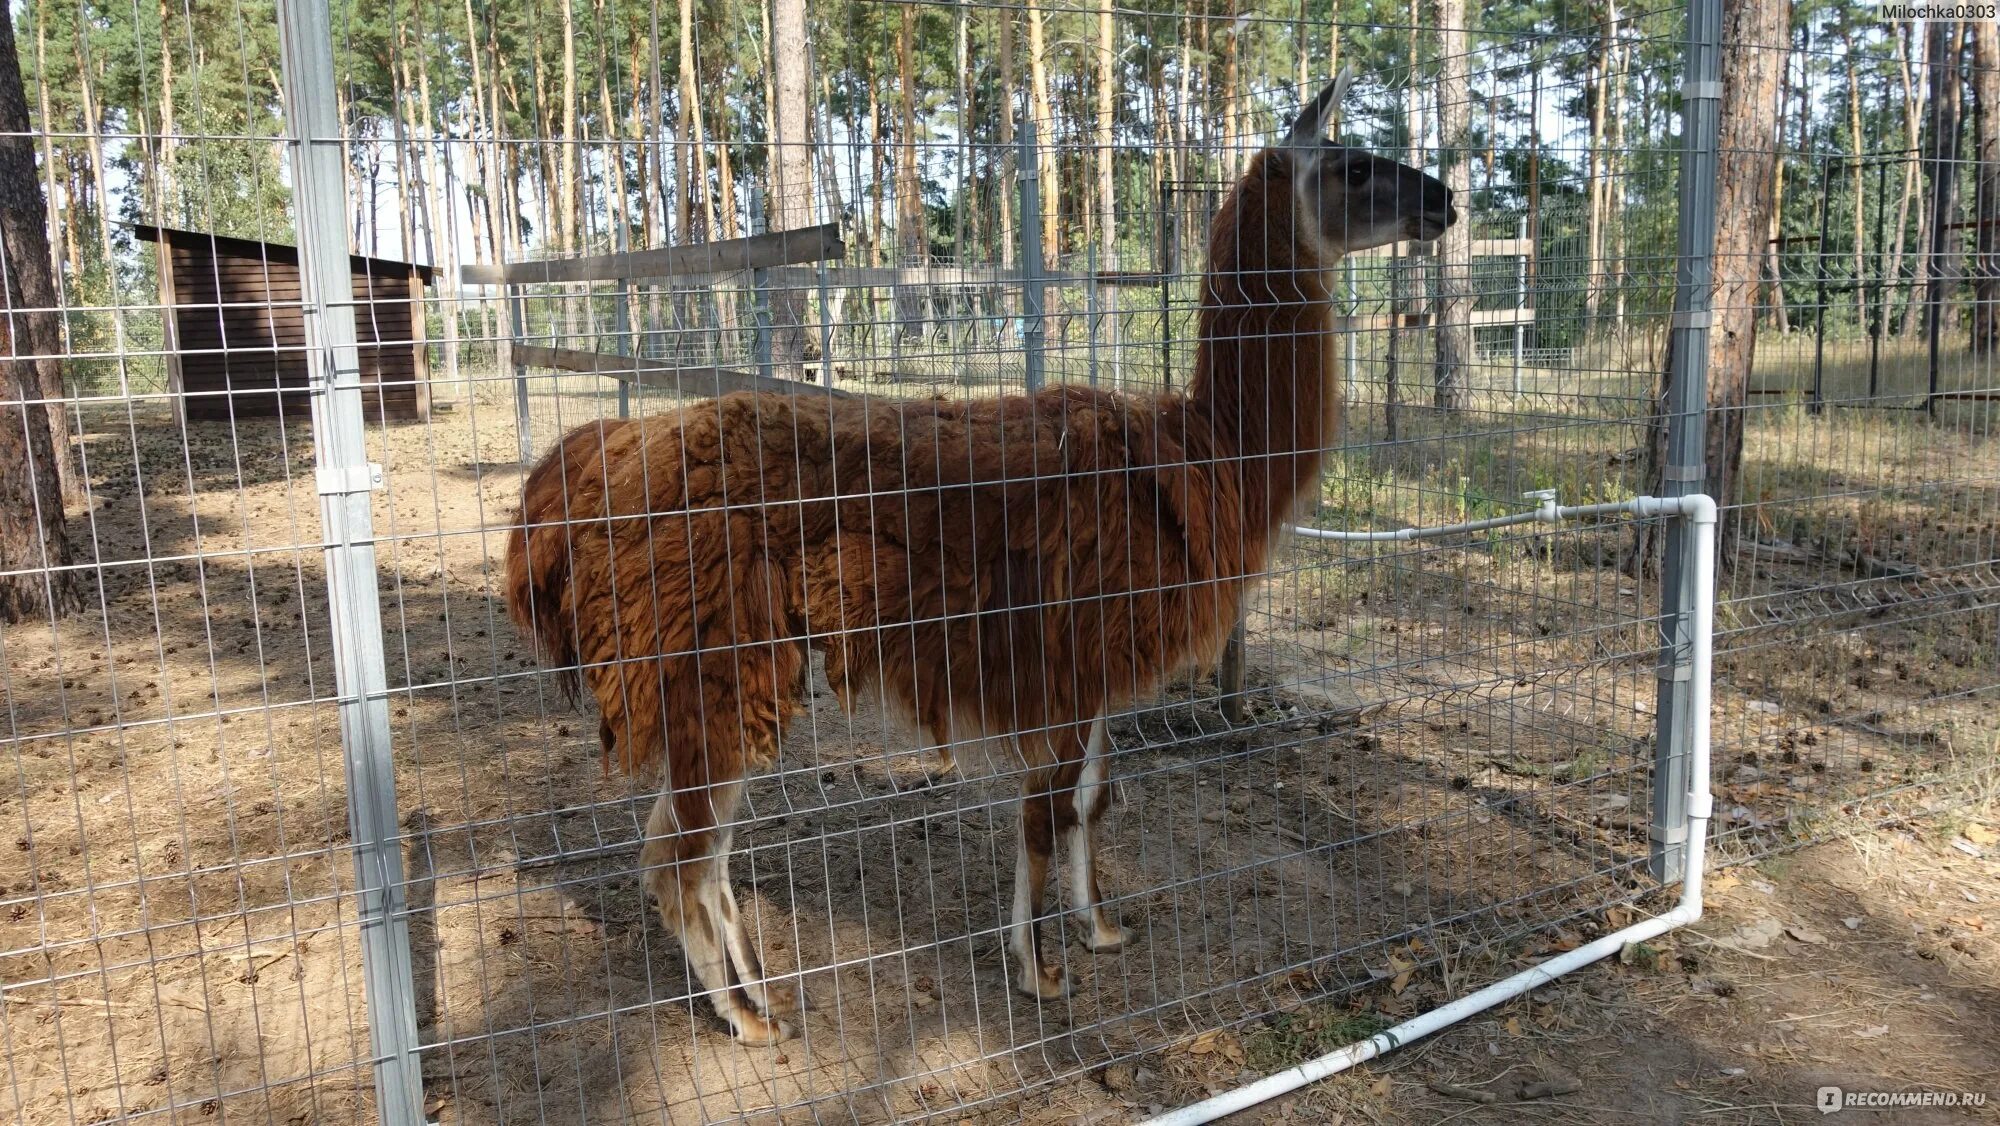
(1854, 145)
(1045, 140)
(791, 191)
(163, 157)
(93, 124)
(1986, 210)
(1745, 196)
(1941, 151)
(696, 202)
(1452, 308)
(436, 171)
(1107, 113)
(961, 32)
(1600, 100)
(1773, 250)
(1007, 157)
(34, 539)
(909, 193)
(1233, 140)
(1913, 113)
(725, 169)
(59, 247)
(567, 179)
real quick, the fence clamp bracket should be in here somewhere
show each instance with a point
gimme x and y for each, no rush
(342, 480)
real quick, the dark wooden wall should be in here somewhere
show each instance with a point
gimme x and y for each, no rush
(238, 334)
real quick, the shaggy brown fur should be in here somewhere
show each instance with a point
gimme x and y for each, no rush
(1014, 566)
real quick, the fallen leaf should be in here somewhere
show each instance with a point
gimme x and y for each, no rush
(1806, 935)
(1972, 922)
(1980, 835)
(1757, 935)
(1400, 970)
(1872, 1031)
(1513, 1026)
(1723, 882)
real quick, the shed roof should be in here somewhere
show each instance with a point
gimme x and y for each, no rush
(274, 251)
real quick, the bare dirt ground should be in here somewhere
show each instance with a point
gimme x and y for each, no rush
(1445, 777)
(1868, 963)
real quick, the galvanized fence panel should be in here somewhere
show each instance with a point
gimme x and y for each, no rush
(291, 753)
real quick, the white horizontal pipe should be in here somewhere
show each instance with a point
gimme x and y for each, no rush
(1546, 512)
(1699, 511)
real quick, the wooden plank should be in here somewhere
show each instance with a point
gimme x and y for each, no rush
(1478, 317)
(853, 277)
(1481, 248)
(757, 252)
(703, 382)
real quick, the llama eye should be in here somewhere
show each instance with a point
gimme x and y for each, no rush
(1357, 173)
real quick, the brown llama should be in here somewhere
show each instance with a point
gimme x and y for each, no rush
(1015, 566)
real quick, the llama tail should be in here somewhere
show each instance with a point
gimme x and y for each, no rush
(540, 552)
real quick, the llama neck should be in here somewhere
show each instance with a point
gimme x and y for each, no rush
(1263, 359)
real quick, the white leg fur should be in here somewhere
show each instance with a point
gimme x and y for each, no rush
(1021, 925)
(1091, 792)
(697, 907)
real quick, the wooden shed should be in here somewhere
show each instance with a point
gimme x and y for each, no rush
(235, 341)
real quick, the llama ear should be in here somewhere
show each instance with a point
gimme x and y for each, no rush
(1311, 123)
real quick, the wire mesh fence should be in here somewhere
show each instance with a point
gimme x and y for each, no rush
(309, 831)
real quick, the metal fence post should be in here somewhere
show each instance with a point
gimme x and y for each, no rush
(1520, 297)
(1169, 262)
(621, 325)
(1034, 291)
(517, 322)
(345, 480)
(1090, 310)
(760, 295)
(1818, 402)
(1687, 433)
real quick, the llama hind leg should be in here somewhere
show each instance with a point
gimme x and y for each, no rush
(686, 866)
(1035, 976)
(1087, 801)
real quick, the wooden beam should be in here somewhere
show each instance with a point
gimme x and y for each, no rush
(1423, 320)
(700, 382)
(757, 252)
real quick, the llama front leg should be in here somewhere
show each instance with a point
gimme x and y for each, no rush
(1034, 977)
(686, 867)
(1088, 801)
(771, 998)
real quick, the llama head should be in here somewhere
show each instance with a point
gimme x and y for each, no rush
(1353, 200)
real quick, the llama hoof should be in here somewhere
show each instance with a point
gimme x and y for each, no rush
(757, 1031)
(1050, 983)
(1106, 940)
(782, 1000)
